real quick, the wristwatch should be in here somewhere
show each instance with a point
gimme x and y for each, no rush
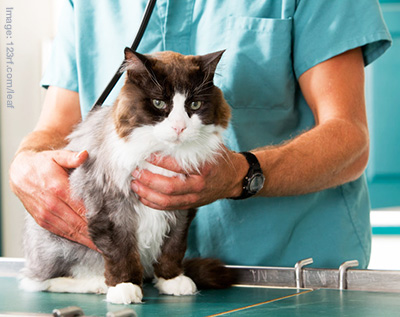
(254, 180)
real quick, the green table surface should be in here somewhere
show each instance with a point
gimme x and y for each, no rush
(330, 302)
(236, 301)
(205, 303)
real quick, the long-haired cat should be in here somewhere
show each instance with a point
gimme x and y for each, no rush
(170, 106)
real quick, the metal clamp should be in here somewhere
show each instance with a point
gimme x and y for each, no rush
(343, 273)
(71, 311)
(298, 270)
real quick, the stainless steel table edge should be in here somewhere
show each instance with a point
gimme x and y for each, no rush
(313, 278)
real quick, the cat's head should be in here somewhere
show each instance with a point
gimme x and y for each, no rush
(172, 93)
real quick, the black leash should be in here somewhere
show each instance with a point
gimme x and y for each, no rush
(145, 20)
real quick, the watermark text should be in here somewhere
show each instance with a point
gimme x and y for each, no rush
(9, 54)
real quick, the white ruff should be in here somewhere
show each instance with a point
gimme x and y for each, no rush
(127, 155)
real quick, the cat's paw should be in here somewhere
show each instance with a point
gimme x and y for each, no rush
(124, 293)
(32, 285)
(180, 285)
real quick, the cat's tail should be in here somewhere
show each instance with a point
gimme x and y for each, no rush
(209, 273)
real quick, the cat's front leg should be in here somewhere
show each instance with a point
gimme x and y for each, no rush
(124, 276)
(123, 269)
(168, 270)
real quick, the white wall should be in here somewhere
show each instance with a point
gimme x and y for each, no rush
(385, 248)
(32, 23)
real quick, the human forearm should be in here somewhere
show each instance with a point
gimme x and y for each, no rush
(42, 140)
(328, 155)
(335, 151)
(59, 115)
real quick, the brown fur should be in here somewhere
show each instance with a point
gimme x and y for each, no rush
(123, 270)
(209, 273)
(169, 265)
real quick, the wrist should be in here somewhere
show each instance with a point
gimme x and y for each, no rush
(240, 167)
(253, 181)
(41, 140)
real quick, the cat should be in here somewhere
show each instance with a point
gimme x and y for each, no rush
(168, 105)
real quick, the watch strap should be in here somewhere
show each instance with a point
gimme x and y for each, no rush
(253, 169)
(251, 159)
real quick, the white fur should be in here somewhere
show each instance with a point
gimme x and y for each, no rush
(125, 293)
(152, 230)
(180, 285)
(95, 285)
(177, 121)
(31, 285)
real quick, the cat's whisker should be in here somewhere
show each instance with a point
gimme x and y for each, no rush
(155, 82)
(203, 86)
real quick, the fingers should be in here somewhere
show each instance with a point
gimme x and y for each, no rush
(171, 193)
(58, 185)
(60, 188)
(166, 162)
(67, 224)
(169, 185)
(167, 193)
(76, 232)
(213, 181)
(69, 159)
(71, 213)
(156, 200)
(42, 184)
(63, 219)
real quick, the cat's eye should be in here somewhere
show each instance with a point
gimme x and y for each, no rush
(195, 105)
(159, 104)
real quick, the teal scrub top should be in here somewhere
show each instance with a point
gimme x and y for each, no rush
(269, 45)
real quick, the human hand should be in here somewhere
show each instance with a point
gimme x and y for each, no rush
(214, 181)
(40, 180)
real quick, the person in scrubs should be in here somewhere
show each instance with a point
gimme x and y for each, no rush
(293, 73)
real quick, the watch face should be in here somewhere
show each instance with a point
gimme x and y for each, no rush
(256, 183)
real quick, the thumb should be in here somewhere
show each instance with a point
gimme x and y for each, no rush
(69, 159)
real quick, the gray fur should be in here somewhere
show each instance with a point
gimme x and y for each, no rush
(48, 255)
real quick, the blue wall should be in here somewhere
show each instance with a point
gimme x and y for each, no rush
(383, 108)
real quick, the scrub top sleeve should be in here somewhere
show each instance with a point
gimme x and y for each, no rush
(61, 70)
(324, 28)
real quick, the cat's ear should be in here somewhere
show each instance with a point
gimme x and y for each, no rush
(210, 61)
(135, 62)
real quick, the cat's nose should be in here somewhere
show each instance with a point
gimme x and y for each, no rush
(179, 128)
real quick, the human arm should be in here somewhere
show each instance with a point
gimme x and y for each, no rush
(38, 173)
(333, 152)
